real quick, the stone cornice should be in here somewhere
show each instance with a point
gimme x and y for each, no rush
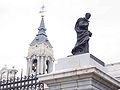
(76, 74)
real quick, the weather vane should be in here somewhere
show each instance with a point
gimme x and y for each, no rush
(42, 10)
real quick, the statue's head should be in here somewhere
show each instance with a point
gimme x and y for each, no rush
(87, 15)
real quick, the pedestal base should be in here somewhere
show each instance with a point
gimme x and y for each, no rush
(79, 61)
(80, 79)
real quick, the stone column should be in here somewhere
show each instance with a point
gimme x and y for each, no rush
(44, 65)
(38, 65)
(34, 57)
(46, 58)
(41, 65)
(50, 65)
(28, 66)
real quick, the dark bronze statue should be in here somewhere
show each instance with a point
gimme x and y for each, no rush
(81, 27)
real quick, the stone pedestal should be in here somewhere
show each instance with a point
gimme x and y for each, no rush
(79, 61)
(80, 79)
(80, 72)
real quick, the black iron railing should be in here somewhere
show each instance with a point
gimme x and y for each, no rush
(24, 83)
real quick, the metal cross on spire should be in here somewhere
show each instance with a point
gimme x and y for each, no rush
(42, 10)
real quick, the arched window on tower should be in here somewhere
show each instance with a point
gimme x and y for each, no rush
(34, 65)
(47, 64)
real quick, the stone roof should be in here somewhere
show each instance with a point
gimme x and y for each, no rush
(41, 36)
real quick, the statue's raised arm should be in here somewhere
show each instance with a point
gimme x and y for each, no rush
(81, 28)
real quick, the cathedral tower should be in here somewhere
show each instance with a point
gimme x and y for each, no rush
(40, 54)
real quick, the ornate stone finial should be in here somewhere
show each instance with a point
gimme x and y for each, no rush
(81, 28)
(42, 10)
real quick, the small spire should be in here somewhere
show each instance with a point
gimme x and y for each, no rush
(42, 25)
(42, 28)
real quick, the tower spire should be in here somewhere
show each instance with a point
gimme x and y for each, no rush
(42, 25)
(42, 28)
(41, 36)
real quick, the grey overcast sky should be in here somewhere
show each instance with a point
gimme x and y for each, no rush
(19, 20)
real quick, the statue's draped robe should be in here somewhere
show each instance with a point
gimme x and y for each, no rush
(83, 35)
